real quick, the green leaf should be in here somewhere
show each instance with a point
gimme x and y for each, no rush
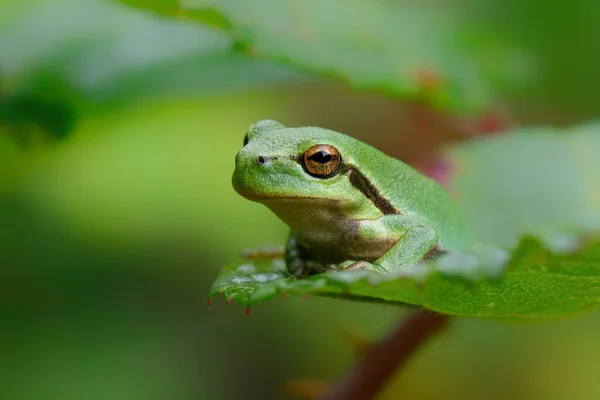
(22, 114)
(167, 7)
(95, 54)
(408, 51)
(530, 283)
(539, 181)
(207, 15)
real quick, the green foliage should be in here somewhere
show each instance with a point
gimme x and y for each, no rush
(83, 61)
(536, 283)
(108, 234)
(561, 39)
(404, 50)
(540, 180)
(23, 115)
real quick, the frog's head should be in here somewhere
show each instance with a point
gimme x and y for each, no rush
(307, 164)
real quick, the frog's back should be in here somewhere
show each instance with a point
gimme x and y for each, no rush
(410, 192)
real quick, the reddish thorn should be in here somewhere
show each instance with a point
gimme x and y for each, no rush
(491, 122)
(208, 303)
(247, 311)
(429, 79)
(228, 300)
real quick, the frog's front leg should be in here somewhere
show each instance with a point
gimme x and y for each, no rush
(298, 261)
(416, 241)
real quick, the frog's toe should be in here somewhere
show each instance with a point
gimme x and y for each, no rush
(359, 265)
(356, 265)
(347, 264)
(302, 272)
(300, 268)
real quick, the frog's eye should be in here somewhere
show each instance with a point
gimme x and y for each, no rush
(246, 139)
(321, 160)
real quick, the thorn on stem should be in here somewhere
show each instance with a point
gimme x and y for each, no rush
(429, 80)
(305, 388)
(380, 360)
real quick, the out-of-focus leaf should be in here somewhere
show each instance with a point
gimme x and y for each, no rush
(207, 15)
(21, 114)
(94, 53)
(542, 181)
(405, 50)
(563, 38)
(204, 74)
(167, 7)
(530, 283)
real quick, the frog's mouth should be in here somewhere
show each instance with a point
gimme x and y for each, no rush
(262, 198)
(291, 201)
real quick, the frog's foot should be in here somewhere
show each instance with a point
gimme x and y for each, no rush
(262, 253)
(302, 272)
(351, 265)
(300, 268)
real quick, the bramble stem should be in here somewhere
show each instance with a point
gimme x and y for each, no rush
(382, 359)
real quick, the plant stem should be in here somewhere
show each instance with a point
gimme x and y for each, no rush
(379, 362)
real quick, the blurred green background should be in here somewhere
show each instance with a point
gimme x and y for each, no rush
(116, 211)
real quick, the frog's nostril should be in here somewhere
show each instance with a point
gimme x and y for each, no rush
(261, 160)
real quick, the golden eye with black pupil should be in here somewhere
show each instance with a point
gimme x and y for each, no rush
(321, 160)
(246, 139)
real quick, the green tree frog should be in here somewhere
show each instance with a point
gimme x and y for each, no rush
(348, 205)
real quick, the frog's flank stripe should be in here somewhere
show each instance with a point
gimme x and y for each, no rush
(361, 183)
